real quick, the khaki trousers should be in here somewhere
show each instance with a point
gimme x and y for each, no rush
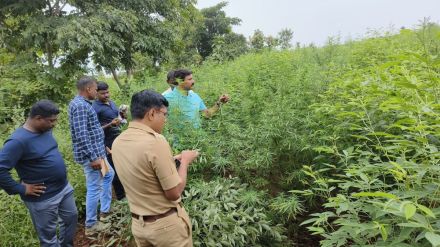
(171, 231)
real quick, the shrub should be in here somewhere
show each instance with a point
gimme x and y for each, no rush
(384, 119)
(226, 213)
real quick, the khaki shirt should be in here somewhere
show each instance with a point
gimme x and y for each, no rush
(145, 166)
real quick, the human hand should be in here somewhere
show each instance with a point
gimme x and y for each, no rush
(109, 151)
(188, 156)
(34, 189)
(123, 114)
(224, 98)
(116, 122)
(96, 164)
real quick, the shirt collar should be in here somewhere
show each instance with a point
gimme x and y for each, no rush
(102, 103)
(137, 125)
(83, 98)
(177, 91)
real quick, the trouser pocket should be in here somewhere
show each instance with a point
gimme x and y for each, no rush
(181, 213)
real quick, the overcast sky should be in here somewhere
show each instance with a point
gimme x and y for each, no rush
(316, 20)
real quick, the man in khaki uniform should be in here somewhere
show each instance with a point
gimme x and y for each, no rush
(147, 170)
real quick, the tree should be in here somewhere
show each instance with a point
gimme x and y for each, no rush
(184, 52)
(228, 47)
(257, 40)
(31, 30)
(35, 25)
(284, 38)
(216, 24)
(271, 42)
(110, 32)
(116, 31)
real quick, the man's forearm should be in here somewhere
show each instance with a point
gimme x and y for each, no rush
(105, 126)
(10, 185)
(211, 111)
(183, 173)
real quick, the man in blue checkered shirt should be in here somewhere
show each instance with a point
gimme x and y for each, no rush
(89, 151)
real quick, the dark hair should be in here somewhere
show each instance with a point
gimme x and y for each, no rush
(102, 86)
(143, 101)
(44, 108)
(170, 78)
(84, 82)
(182, 73)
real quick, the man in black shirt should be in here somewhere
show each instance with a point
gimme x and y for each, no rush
(108, 115)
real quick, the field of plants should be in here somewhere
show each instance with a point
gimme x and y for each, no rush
(319, 146)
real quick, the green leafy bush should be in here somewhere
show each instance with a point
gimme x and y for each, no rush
(16, 227)
(226, 213)
(384, 120)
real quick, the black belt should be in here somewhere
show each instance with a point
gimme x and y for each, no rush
(152, 218)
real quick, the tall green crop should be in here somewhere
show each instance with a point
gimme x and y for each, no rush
(385, 120)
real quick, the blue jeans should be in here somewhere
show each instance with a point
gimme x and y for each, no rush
(46, 214)
(99, 189)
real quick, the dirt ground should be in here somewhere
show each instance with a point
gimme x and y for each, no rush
(81, 240)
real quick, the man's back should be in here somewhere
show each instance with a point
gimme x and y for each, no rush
(146, 168)
(87, 134)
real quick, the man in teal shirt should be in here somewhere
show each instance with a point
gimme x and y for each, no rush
(186, 105)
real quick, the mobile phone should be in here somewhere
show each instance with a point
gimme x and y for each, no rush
(177, 163)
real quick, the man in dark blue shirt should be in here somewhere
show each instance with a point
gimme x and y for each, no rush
(89, 151)
(108, 116)
(44, 188)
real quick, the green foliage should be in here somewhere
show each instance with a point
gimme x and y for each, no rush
(288, 206)
(257, 40)
(114, 33)
(184, 51)
(228, 47)
(262, 131)
(271, 42)
(284, 38)
(23, 83)
(225, 213)
(16, 227)
(216, 24)
(385, 116)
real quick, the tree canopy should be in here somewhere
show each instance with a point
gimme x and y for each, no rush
(216, 24)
